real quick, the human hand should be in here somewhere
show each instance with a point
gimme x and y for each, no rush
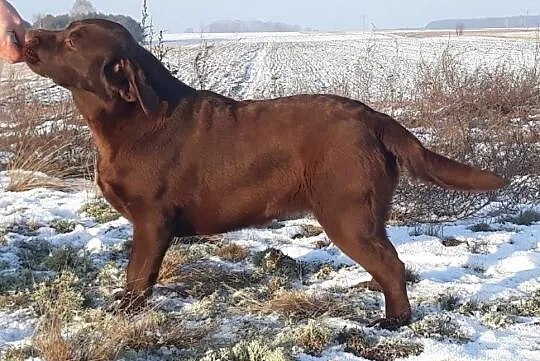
(11, 33)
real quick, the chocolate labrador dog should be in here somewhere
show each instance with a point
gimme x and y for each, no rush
(179, 162)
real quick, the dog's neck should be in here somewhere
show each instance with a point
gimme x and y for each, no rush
(111, 123)
(166, 86)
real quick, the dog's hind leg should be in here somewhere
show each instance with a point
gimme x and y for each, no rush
(356, 226)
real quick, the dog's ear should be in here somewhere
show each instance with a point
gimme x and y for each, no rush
(127, 79)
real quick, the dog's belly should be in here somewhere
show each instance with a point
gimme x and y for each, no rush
(245, 207)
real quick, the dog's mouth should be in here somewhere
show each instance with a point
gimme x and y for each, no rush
(30, 54)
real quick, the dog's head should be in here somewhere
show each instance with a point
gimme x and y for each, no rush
(96, 56)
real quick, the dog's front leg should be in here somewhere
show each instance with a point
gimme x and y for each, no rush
(150, 242)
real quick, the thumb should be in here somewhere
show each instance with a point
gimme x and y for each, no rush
(11, 48)
(11, 52)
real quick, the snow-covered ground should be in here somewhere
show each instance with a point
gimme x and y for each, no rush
(500, 267)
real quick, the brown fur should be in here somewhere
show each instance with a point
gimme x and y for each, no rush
(180, 162)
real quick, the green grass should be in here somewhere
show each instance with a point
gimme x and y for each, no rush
(448, 302)
(440, 326)
(481, 227)
(313, 338)
(63, 226)
(412, 276)
(100, 211)
(67, 258)
(20, 280)
(32, 254)
(429, 229)
(525, 218)
(257, 349)
(275, 262)
(61, 298)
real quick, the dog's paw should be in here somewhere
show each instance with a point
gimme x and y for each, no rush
(128, 303)
(391, 324)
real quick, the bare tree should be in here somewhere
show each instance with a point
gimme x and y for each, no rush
(146, 24)
(459, 29)
(82, 7)
(159, 49)
(202, 68)
(38, 20)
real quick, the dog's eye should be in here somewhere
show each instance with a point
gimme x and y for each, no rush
(70, 44)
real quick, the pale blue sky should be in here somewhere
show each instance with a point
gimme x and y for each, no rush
(322, 14)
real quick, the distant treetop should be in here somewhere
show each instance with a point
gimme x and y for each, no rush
(530, 21)
(242, 26)
(82, 7)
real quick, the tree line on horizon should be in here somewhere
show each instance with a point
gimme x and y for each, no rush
(247, 26)
(84, 9)
(529, 21)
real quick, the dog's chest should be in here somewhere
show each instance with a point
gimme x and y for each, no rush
(116, 191)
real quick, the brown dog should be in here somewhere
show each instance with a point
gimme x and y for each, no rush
(179, 162)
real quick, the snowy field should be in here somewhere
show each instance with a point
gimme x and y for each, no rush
(366, 66)
(474, 283)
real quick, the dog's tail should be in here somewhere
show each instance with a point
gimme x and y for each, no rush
(429, 166)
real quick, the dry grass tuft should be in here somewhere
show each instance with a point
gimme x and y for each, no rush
(202, 278)
(531, 306)
(299, 305)
(36, 165)
(106, 337)
(48, 141)
(18, 353)
(309, 230)
(24, 180)
(174, 258)
(412, 276)
(453, 87)
(61, 299)
(50, 344)
(232, 252)
(480, 116)
(525, 218)
(155, 329)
